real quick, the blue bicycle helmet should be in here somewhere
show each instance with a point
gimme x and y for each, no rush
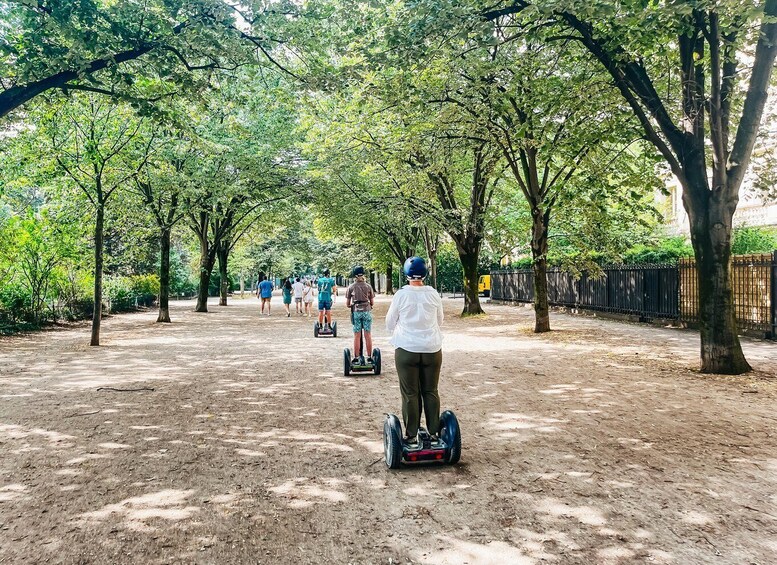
(415, 268)
(358, 271)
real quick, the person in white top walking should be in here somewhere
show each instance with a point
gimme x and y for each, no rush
(414, 319)
(307, 296)
(298, 288)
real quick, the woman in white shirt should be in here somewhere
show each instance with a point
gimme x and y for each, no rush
(414, 319)
(307, 296)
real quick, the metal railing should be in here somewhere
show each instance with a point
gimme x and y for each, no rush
(753, 283)
(653, 291)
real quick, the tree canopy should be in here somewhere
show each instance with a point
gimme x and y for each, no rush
(169, 137)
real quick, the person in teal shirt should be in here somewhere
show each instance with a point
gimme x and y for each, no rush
(286, 288)
(326, 289)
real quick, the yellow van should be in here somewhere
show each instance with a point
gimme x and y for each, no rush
(484, 285)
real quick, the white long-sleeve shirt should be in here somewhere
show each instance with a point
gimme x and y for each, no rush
(414, 317)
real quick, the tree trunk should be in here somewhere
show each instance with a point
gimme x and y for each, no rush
(164, 277)
(721, 351)
(98, 273)
(539, 253)
(430, 243)
(242, 284)
(433, 267)
(223, 256)
(390, 279)
(207, 258)
(469, 263)
(372, 282)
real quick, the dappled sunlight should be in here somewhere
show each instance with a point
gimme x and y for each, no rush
(370, 445)
(257, 444)
(771, 466)
(614, 553)
(509, 424)
(696, 518)
(110, 445)
(254, 447)
(560, 389)
(559, 509)
(303, 492)
(249, 453)
(12, 492)
(452, 551)
(542, 545)
(85, 458)
(11, 431)
(620, 484)
(634, 443)
(136, 512)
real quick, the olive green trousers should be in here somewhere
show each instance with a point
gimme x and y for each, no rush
(419, 374)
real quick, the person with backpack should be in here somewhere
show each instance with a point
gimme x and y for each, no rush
(414, 320)
(326, 288)
(360, 298)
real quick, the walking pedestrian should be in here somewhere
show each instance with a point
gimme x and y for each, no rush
(286, 289)
(307, 296)
(264, 292)
(299, 289)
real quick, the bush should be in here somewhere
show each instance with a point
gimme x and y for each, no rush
(183, 281)
(124, 294)
(214, 288)
(754, 240)
(144, 285)
(668, 250)
(14, 304)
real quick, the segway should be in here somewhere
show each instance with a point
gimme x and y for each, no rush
(446, 449)
(360, 364)
(319, 330)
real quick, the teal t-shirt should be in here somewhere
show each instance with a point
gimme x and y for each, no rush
(325, 285)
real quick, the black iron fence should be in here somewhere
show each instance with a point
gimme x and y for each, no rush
(653, 291)
(753, 282)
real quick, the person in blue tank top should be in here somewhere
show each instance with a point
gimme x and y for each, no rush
(326, 289)
(264, 291)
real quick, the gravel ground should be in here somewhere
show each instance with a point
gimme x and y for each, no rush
(242, 442)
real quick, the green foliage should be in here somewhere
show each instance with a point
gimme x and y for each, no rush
(754, 240)
(450, 274)
(122, 293)
(182, 277)
(121, 48)
(14, 304)
(666, 251)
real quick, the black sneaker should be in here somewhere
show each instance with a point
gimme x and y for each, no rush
(370, 361)
(411, 440)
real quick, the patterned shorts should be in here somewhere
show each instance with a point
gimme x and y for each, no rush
(362, 321)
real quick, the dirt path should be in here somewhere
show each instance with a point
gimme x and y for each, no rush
(598, 443)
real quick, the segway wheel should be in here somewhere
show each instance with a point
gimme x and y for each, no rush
(451, 435)
(334, 329)
(376, 360)
(392, 441)
(347, 361)
(315, 329)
